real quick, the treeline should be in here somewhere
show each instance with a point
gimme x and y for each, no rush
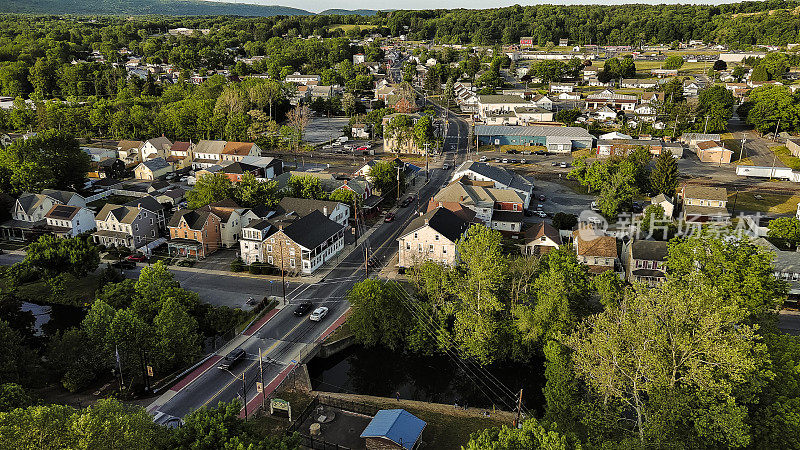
(691, 364)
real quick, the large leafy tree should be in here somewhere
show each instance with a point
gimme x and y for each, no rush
(531, 434)
(673, 356)
(380, 314)
(210, 188)
(305, 186)
(250, 192)
(51, 159)
(384, 175)
(53, 255)
(787, 228)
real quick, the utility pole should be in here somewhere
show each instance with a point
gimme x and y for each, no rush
(774, 155)
(244, 395)
(261, 371)
(283, 276)
(426, 160)
(741, 152)
(519, 408)
(366, 259)
(705, 128)
(398, 184)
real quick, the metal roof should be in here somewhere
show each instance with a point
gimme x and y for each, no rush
(536, 130)
(397, 425)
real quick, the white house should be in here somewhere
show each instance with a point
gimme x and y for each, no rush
(69, 221)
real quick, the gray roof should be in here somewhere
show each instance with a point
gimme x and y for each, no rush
(156, 164)
(304, 206)
(649, 250)
(535, 130)
(442, 220)
(159, 143)
(311, 230)
(516, 99)
(214, 147)
(147, 202)
(705, 192)
(498, 174)
(507, 216)
(62, 196)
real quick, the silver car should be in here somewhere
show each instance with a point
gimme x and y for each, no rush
(318, 314)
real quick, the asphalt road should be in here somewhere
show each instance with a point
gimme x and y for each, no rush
(284, 337)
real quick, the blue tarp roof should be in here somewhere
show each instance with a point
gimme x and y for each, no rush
(397, 425)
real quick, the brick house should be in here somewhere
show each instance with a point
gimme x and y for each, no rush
(194, 233)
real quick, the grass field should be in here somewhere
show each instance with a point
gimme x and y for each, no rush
(79, 291)
(647, 66)
(786, 157)
(346, 28)
(765, 202)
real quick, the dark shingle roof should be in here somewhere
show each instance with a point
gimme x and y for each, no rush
(649, 250)
(444, 221)
(195, 219)
(303, 206)
(147, 202)
(311, 230)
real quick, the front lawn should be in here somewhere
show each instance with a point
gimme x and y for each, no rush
(785, 156)
(763, 202)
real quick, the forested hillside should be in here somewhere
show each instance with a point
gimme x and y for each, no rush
(738, 24)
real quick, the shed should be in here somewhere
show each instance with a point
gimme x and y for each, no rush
(393, 429)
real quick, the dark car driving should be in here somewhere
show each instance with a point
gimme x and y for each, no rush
(231, 359)
(123, 264)
(302, 308)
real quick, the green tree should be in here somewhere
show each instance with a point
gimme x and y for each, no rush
(531, 435)
(305, 186)
(759, 74)
(384, 177)
(177, 340)
(716, 104)
(664, 178)
(250, 192)
(645, 354)
(673, 62)
(17, 362)
(51, 159)
(76, 255)
(787, 228)
(564, 221)
(76, 358)
(13, 396)
(400, 128)
(423, 132)
(210, 188)
(567, 116)
(379, 314)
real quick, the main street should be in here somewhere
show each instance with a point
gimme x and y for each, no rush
(284, 338)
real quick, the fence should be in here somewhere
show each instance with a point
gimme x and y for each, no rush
(344, 405)
(319, 444)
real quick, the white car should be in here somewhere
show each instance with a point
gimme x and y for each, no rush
(318, 314)
(445, 166)
(483, 158)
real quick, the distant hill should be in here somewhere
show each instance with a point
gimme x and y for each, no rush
(146, 7)
(348, 12)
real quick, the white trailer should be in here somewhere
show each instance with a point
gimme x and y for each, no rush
(783, 173)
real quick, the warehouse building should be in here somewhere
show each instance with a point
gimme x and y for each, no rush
(555, 139)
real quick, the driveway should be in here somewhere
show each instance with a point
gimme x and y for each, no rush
(219, 260)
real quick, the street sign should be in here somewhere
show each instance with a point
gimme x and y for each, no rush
(259, 387)
(149, 371)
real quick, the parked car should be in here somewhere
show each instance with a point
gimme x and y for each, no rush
(137, 258)
(542, 198)
(505, 160)
(512, 151)
(594, 206)
(541, 214)
(528, 213)
(318, 314)
(327, 147)
(231, 359)
(539, 206)
(389, 217)
(636, 207)
(483, 159)
(554, 164)
(564, 165)
(362, 148)
(302, 308)
(497, 160)
(445, 166)
(122, 264)
(540, 152)
(523, 161)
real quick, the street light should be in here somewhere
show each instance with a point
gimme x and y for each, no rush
(244, 389)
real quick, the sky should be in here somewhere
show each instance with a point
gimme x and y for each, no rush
(321, 5)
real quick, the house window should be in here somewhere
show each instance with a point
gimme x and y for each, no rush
(291, 263)
(436, 237)
(269, 248)
(444, 249)
(269, 259)
(136, 226)
(408, 246)
(416, 236)
(430, 248)
(419, 248)
(151, 221)
(185, 234)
